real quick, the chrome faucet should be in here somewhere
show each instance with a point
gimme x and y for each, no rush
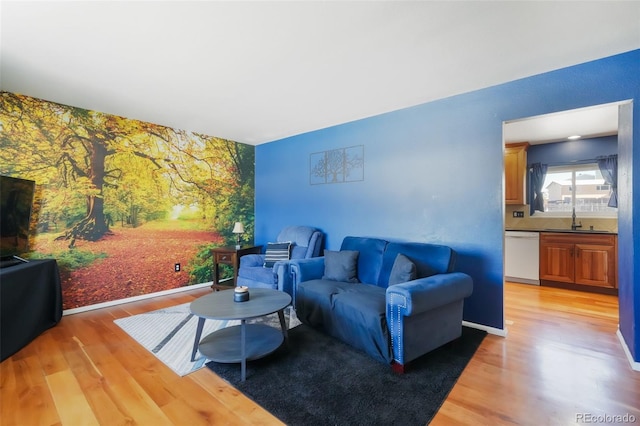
(575, 226)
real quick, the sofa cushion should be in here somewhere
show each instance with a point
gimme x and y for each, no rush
(355, 314)
(258, 273)
(403, 270)
(430, 259)
(298, 252)
(341, 266)
(370, 258)
(276, 252)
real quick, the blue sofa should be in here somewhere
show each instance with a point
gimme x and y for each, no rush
(403, 300)
(306, 242)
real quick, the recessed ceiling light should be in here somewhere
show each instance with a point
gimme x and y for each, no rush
(574, 137)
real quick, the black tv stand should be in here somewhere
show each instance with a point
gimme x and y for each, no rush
(5, 262)
(30, 303)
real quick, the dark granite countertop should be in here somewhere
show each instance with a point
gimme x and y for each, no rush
(568, 231)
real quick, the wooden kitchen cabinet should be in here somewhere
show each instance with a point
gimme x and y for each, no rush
(580, 259)
(596, 264)
(556, 260)
(515, 171)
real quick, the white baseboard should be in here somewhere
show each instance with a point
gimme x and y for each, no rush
(522, 280)
(634, 364)
(134, 298)
(491, 330)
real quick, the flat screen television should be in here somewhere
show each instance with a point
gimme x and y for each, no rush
(16, 202)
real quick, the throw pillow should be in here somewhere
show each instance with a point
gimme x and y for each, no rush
(403, 270)
(276, 252)
(341, 265)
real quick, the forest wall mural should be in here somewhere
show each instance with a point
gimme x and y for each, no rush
(119, 201)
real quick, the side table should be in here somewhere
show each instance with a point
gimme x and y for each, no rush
(229, 255)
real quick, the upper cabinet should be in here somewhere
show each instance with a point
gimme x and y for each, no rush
(515, 170)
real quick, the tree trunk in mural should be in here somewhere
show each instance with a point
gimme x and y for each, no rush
(94, 225)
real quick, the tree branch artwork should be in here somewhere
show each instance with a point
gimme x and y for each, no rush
(339, 165)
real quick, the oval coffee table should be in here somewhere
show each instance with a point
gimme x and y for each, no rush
(242, 342)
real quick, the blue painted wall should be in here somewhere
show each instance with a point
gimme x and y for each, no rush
(561, 153)
(434, 173)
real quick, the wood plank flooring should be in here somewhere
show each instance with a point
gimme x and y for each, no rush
(561, 363)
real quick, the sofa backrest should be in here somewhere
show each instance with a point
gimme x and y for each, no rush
(430, 259)
(306, 240)
(377, 256)
(370, 257)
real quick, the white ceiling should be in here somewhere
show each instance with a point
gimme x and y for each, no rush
(254, 72)
(594, 121)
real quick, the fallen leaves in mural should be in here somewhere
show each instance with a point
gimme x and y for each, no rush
(139, 261)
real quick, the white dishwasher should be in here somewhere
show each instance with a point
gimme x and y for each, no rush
(522, 257)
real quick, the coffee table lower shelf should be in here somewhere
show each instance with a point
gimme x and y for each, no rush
(226, 345)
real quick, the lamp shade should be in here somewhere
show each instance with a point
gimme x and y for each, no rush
(238, 228)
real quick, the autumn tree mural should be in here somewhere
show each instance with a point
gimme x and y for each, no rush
(119, 201)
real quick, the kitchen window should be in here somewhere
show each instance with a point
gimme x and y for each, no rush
(579, 186)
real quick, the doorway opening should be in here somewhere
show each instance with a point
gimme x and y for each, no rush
(598, 126)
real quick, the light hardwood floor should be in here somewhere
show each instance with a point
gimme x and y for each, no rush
(561, 363)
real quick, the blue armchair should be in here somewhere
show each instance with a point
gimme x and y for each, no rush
(306, 242)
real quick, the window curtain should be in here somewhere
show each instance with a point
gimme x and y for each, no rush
(609, 168)
(538, 173)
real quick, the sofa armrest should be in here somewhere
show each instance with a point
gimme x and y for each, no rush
(306, 269)
(251, 260)
(282, 274)
(425, 294)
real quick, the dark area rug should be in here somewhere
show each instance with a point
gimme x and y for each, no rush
(320, 380)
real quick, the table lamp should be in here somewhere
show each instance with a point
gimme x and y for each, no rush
(238, 229)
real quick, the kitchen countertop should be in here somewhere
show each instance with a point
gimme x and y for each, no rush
(568, 231)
